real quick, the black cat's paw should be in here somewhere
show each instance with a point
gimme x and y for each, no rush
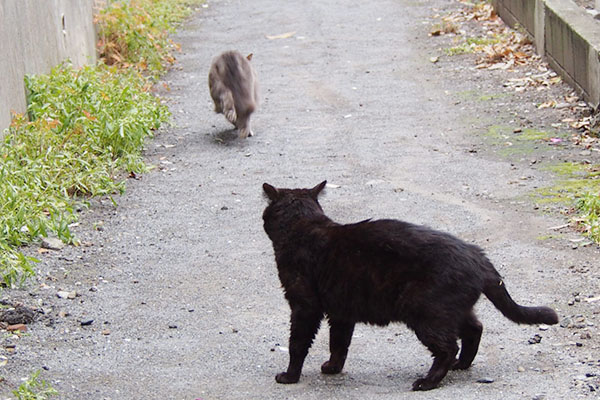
(284, 377)
(423, 384)
(458, 364)
(330, 368)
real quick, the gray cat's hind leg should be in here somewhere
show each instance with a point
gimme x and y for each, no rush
(243, 125)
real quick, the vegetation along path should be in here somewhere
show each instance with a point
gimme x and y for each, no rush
(174, 292)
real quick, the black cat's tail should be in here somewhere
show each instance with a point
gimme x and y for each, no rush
(495, 290)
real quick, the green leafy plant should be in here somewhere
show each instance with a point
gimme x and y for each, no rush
(35, 389)
(589, 209)
(85, 128)
(577, 189)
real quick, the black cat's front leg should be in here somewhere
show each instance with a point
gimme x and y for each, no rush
(304, 328)
(340, 336)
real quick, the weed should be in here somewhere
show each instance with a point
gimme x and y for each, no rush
(579, 185)
(588, 206)
(35, 389)
(463, 48)
(84, 127)
(135, 33)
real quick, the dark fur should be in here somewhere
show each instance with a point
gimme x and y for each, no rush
(234, 89)
(379, 272)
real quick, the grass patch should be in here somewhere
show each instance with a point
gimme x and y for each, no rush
(84, 129)
(578, 188)
(548, 237)
(462, 48)
(35, 389)
(588, 206)
(471, 45)
(514, 144)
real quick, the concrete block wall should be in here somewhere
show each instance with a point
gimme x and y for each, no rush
(566, 35)
(36, 35)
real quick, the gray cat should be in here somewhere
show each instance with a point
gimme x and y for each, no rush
(234, 89)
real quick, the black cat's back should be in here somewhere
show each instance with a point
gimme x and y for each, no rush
(393, 270)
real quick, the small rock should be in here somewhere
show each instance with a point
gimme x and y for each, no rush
(520, 369)
(62, 294)
(566, 322)
(172, 326)
(71, 295)
(535, 339)
(106, 332)
(585, 335)
(543, 327)
(52, 243)
(485, 380)
(87, 322)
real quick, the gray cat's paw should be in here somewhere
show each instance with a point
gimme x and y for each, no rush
(231, 116)
(244, 133)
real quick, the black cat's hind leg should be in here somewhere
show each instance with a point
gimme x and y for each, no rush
(442, 345)
(340, 336)
(304, 328)
(470, 335)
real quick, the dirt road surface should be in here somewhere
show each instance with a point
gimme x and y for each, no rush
(179, 281)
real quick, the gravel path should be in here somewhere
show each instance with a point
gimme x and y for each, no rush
(180, 280)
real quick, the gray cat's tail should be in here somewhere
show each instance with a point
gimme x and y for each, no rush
(495, 290)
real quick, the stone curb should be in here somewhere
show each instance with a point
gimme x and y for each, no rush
(565, 35)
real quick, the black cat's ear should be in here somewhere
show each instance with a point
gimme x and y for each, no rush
(271, 192)
(314, 192)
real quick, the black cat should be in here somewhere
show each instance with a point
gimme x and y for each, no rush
(379, 272)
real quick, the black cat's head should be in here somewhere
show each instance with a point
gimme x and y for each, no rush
(288, 206)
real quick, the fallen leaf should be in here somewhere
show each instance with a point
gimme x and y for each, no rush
(17, 327)
(547, 104)
(281, 36)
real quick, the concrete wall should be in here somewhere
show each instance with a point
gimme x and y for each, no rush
(566, 35)
(36, 35)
